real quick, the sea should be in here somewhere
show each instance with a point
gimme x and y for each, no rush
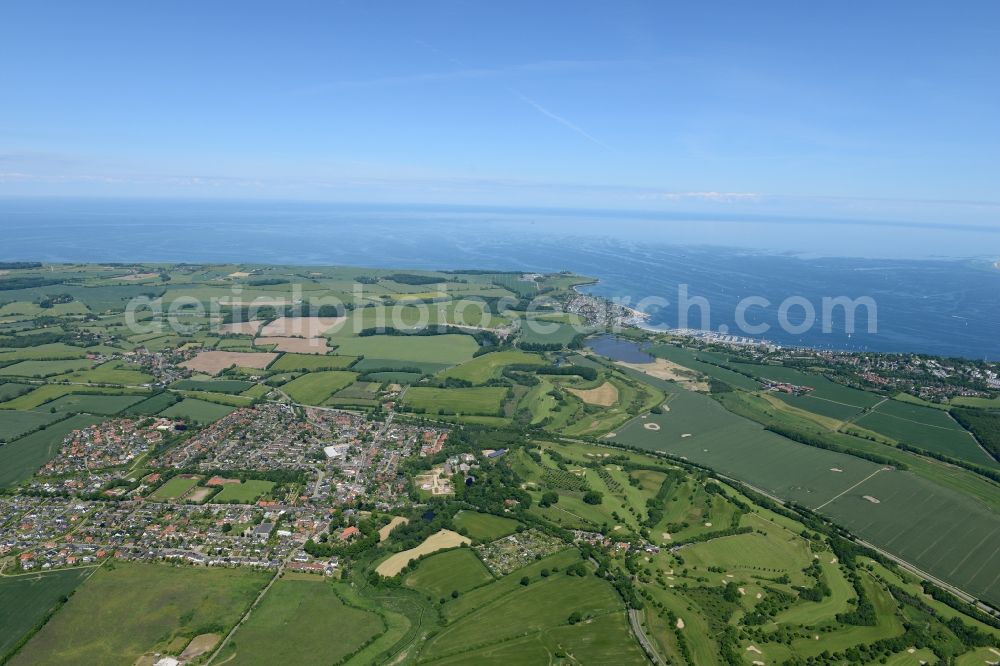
(922, 288)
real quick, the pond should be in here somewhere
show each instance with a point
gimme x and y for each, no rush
(619, 349)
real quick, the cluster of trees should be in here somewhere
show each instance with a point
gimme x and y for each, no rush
(820, 443)
(985, 425)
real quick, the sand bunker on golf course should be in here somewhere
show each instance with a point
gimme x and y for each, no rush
(213, 362)
(604, 395)
(433, 543)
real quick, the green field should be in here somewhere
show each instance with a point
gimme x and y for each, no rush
(302, 620)
(11, 390)
(132, 609)
(439, 349)
(485, 400)
(245, 492)
(925, 428)
(112, 372)
(487, 366)
(48, 392)
(153, 405)
(822, 387)
(44, 368)
(316, 387)
(290, 362)
(457, 570)
(534, 331)
(214, 386)
(197, 411)
(174, 488)
(483, 526)
(26, 600)
(23, 457)
(14, 424)
(696, 361)
(909, 505)
(91, 404)
(53, 351)
(526, 624)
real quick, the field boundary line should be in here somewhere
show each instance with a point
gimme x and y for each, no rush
(839, 495)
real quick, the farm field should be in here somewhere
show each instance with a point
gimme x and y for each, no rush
(40, 369)
(302, 620)
(316, 387)
(745, 451)
(446, 350)
(540, 611)
(214, 362)
(487, 366)
(456, 570)
(92, 404)
(54, 351)
(11, 390)
(112, 372)
(14, 424)
(441, 540)
(26, 600)
(23, 457)
(129, 610)
(246, 492)
(483, 526)
(294, 345)
(822, 387)
(215, 386)
(925, 428)
(484, 400)
(198, 411)
(152, 405)
(311, 362)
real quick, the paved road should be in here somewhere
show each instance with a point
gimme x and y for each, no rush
(635, 619)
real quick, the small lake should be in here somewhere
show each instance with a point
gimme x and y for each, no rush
(619, 349)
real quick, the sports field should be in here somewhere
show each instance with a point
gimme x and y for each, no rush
(135, 609)
(198, 411)
(302, 621)
(245, 492)
(314, 388)
(479, 400)
(26, 600)
(175, 488)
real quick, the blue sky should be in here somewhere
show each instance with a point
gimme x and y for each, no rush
(889, 110)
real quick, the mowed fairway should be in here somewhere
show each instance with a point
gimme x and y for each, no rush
(908, 520)
(457, 570)
(132, 609)
(316, 387)
(302, 621)
(480, 400)
(487, 366)
(25, 600)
